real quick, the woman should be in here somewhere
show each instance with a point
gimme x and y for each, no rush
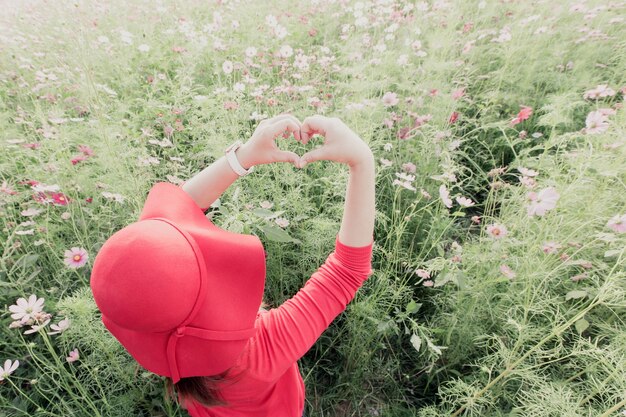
(182, 295)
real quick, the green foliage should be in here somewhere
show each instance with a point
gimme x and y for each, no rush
(470, 341)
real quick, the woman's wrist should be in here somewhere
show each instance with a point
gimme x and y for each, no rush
(366, 161)
(244, 157)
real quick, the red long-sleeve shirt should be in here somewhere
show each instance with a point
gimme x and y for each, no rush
(272, 385)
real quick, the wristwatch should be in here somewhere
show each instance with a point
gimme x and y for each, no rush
(233, 161)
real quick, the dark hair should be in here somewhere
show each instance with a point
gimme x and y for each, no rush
(204, 389)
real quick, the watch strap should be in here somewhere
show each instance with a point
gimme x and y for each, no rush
(234, 163)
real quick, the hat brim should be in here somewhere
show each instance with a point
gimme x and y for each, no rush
(194, 356)
(234, 268)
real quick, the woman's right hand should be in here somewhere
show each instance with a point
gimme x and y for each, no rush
(341, 144)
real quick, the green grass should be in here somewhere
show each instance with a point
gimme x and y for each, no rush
(476, 343)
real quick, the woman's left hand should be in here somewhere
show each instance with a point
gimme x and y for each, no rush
(261, 148)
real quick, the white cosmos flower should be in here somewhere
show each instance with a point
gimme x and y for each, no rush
(8, 368)
(25, 309)
(61, 327)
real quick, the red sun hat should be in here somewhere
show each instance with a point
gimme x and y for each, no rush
(179, 293)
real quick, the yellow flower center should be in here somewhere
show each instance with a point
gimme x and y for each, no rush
(77, 257)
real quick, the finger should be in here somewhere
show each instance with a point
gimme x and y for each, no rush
(264, 122)
(316, 154)
(278, 128)
(287, 127)
(287, 156)
(296, 132)
(284, 116)
(274, 119)
(316, 124)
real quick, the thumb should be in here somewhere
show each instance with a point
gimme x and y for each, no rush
(287, 156)
(312, 156)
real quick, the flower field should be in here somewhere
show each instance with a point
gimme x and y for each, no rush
(499, 132)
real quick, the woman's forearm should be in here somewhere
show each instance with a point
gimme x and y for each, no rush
(206, 186)
(357, 225)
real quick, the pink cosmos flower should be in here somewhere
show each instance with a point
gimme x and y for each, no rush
(6, 188)
(464, 202)
(601, 90)
(596, 122)
(73, 356)
(468, 47)
(497, 231)
(231, 105)
(168, 131)
(86, 150)
(77, 159)
(282, 222)
(528, 182)
(457, 94)
(227, 67)
(425, 194)
(476, 219)
(617, 223)
(405, 181)
(75, 257)
(8, 368)
(507, 271)
(34, 145)
(550, 247)
(421, 120)
(59, 199)
(285, 51)
(251, 52)
(607, 111)
(422, 273)
(403, 133)
(497, 171)
(523, 114)
(409, 167)
(542, 202)
(390, 99)
(444, 194)
(527, 172)
(404, 184)
(16, 324)
(428, 283)
(454, 145)
(385, 162)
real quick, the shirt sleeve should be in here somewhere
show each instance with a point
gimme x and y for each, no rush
(284, 334)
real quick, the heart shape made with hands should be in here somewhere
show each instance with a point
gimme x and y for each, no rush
(263, 143)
